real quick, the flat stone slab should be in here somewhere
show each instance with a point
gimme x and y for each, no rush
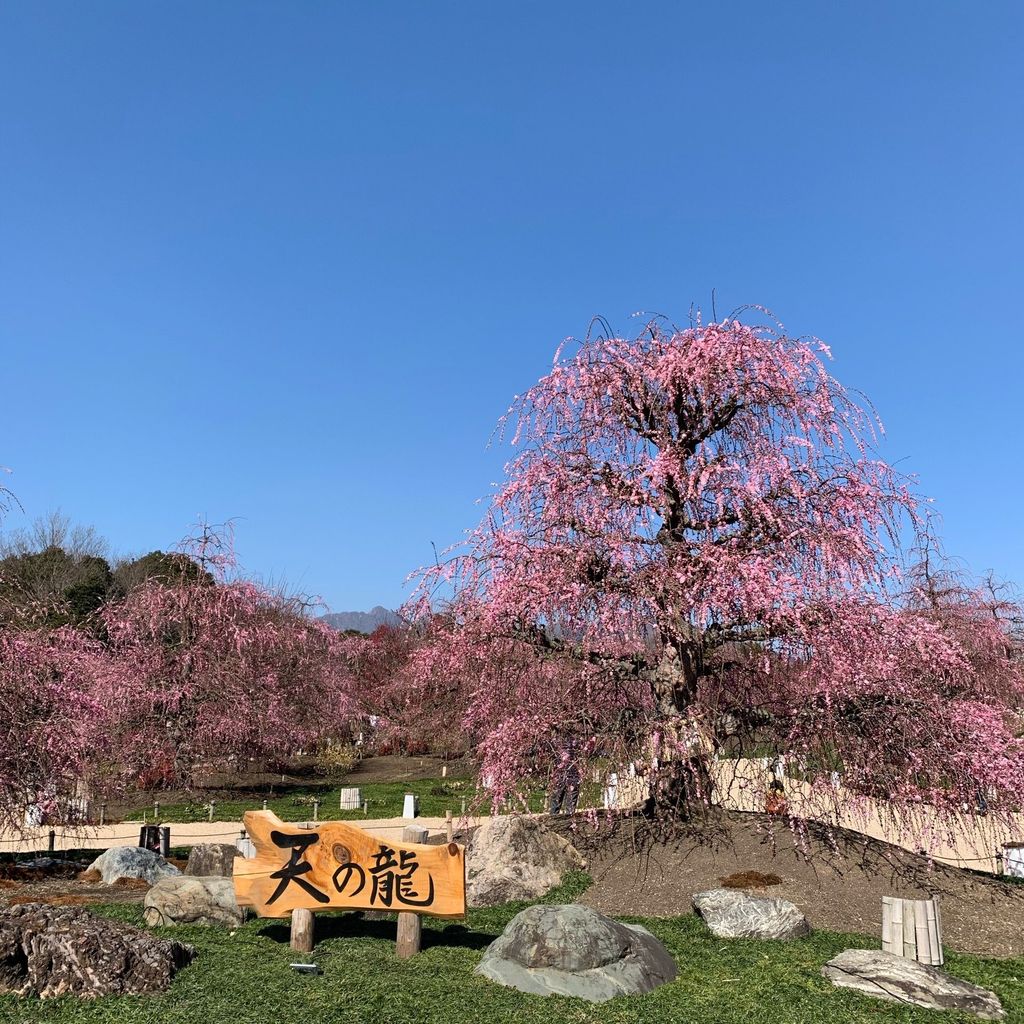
(732, 914)
(899, 980)
(572, 950)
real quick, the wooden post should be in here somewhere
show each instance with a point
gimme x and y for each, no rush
(53, 844)
(410, 928)
(302, 930)
(264, 803)
(103, 813)
(448, 825)
(316, 810)
(156, 810)
(211, 810)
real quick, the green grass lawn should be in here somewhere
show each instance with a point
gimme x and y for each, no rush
(244, 979)
(385, 801)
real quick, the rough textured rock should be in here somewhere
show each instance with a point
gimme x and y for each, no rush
(731, 914)
(131, 862)
(516, 858)
(212, 859)
(189, 899)
(54, 951)
(900, 980)
(575, 951)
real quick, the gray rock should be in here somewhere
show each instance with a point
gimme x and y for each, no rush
(206, 859)
(188, 899)
(48, 864)
(131, 862)
(55, 951)
(575, 951)
(512, 857)
(731, 914)
(900, 980)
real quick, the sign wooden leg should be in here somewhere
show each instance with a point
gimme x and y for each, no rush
(302, 930)
(410, 933)
(410, 927)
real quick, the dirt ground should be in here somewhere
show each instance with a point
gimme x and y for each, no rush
(63, 887)
(838, 880)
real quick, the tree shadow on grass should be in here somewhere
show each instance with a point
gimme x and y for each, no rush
(354, 925)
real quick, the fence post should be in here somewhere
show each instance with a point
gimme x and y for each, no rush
(410, 927)
(103, 813)
(211, 810)
(448, 825)
(53, 840)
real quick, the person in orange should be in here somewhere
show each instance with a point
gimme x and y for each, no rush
(775, 798)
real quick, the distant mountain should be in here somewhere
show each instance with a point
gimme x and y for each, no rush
(362, 622)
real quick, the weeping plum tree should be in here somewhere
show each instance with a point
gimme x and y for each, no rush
(207, 667)
(53, 726)
(696, 536)
(187, 669)
(410, 711)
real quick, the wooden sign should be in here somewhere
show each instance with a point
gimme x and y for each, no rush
(333, 865)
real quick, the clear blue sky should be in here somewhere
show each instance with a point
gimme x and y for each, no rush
(289, 262)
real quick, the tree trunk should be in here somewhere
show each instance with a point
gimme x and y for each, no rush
(682, 787)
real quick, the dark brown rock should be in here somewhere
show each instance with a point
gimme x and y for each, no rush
(51, 951)
(211, 859)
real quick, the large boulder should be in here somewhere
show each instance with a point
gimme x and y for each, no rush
(206, 859)
(575, 951)
(731, 914)
(188, 899)
(55, 951)
(131, 862)
(516, 858)
(901, 980)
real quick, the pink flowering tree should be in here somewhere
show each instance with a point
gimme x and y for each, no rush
(53, 727)
(209, 667)
(696, 543)
(411, 712)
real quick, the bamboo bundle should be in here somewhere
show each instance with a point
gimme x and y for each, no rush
(912, 929)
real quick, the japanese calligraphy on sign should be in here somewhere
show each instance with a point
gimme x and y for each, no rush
(336, 865)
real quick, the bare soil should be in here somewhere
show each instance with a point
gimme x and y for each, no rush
(837, 878)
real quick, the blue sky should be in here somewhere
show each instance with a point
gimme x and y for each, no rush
(289, 262)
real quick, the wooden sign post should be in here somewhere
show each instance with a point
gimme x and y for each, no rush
(332, 865)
